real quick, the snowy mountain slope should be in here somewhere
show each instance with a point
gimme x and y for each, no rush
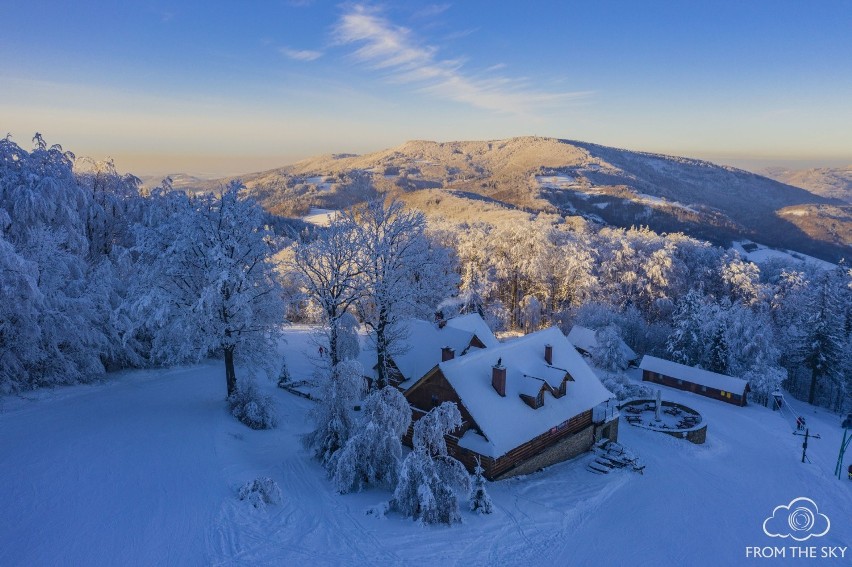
(832, 182)
(144, 470)
(619, 187)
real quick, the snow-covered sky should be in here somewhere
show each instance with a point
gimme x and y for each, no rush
(230, 87)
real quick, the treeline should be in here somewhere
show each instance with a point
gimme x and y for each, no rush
(96, 276)
(777, 324)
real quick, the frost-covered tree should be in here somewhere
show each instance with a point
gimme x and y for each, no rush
(405, 274)
(348, 343)
(530, 313)
(764, 379)
(210, 280)
(742, 280)
(718, 353)
(823, 350)
(373, 455)
(334, 415)
(691, 318)
(45, 253)
(329, 270)
(609, 353)
(429, 477)
(20, 333)
(480, 501)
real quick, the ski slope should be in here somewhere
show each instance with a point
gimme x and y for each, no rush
(144, 470)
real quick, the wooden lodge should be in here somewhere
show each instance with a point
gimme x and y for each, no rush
(691, 379)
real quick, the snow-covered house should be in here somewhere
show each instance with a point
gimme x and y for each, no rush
(526, 403)
(711, 384)
(422, 345)
(586, 342)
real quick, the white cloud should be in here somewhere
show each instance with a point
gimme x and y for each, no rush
(300, 54)
(396, 50)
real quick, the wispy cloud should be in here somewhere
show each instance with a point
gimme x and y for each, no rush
(431, 10)
(300, 54)
(398, 51)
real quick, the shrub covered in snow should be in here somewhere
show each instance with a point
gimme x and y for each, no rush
(623, 388)
(373, 455)
(251, 407)
(429, 476)
(334, 415)
(480, 501)
(260, 492)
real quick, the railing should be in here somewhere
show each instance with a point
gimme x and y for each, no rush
(605, 412)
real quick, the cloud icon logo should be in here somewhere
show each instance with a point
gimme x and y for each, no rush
(800, 520)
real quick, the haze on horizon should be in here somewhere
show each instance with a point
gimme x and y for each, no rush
(224, 89)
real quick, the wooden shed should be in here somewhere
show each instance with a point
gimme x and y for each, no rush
(711, 384)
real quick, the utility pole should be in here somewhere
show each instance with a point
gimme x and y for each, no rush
(847, 425)
(807, 436)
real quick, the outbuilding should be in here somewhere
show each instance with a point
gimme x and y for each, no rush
(711, 384)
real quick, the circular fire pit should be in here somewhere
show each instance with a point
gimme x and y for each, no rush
(675, 419)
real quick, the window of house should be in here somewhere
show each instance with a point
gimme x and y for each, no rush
(703, 388)
(435, 401)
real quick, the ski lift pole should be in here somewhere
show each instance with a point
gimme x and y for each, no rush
(847, 425)
(807, 436)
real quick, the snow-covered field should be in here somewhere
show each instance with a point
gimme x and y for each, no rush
(145, 469)
(764, 253)
(320, 217)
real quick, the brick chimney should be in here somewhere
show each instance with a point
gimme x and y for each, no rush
(548, 354)
(498, 379)
(447, 354)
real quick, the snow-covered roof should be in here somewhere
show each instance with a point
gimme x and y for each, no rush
(509, 422)
(692, 374)
(474, 324)
(423, 342)
(584, 338)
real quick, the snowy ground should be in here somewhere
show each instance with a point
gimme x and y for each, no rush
(320, 217)
(764, 253)
(144, 470)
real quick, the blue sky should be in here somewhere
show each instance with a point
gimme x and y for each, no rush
(231, 87)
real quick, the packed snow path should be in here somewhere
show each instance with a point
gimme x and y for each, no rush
(144, 470)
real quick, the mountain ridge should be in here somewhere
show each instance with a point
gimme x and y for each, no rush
(612, 185)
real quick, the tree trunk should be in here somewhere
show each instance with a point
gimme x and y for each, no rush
(333, 355)
(381, 352)
(230, 374)
(812, 393)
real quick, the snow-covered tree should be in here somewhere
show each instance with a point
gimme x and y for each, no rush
(348, 343)
(530, 313)
(20, 333)
(742, 280)
(609, 352)
(334, 415)
(429, 477)
(330, 271)
(692, 319)
(480, 501)
(211, 281)
(823, 350)
(405, 274)
(718, 353)
(764, 379)
(373, 455)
